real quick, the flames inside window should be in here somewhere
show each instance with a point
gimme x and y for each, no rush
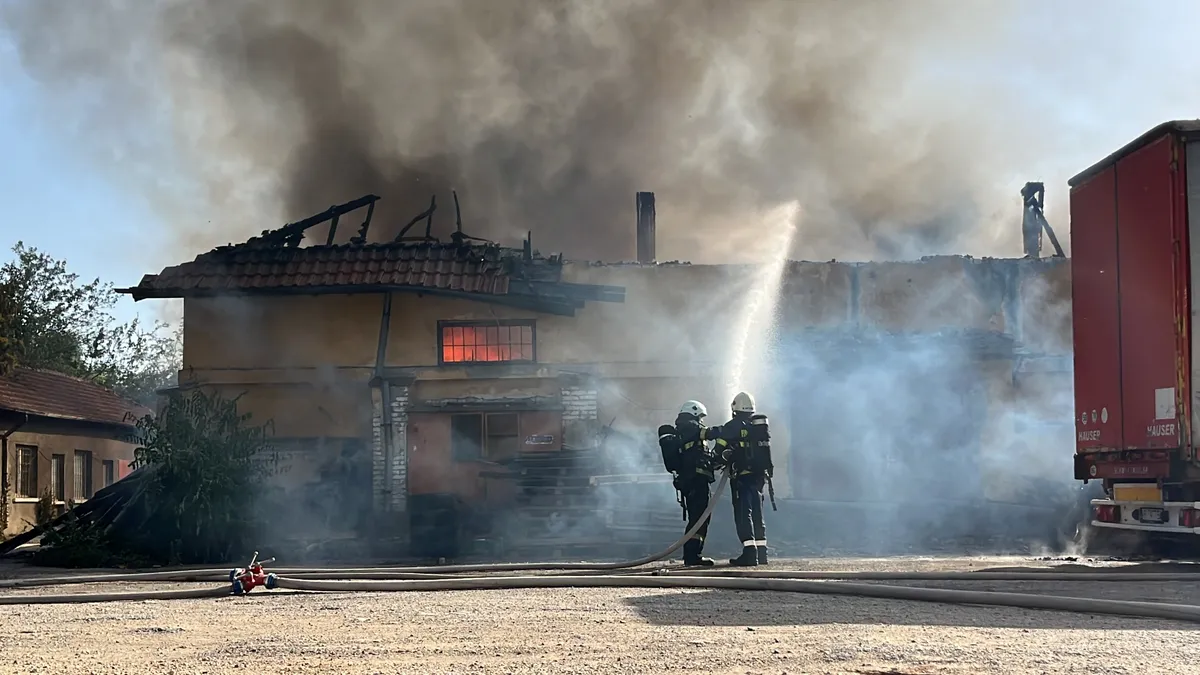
(487, 343)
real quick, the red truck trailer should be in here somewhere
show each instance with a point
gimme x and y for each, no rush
(1135, 231)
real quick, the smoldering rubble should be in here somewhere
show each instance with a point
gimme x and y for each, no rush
(544, 115)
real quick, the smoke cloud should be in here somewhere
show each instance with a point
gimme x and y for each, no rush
(546, 115)
(895, 439)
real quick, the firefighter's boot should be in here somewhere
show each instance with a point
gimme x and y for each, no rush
(762, 555)
(748, 558)
(692, 557)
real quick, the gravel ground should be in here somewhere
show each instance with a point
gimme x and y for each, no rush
(600, 631)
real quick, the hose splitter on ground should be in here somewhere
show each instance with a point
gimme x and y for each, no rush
(245, 579)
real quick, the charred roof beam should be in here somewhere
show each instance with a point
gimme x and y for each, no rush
(290, 235)
(1033, 221)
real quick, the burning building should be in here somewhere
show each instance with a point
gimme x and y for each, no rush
(413, 375)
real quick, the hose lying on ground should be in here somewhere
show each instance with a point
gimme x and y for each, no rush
(434, 578)
(197, 576)
(1150, 610)
(833, 575)
(396, 574)
(384, 574)
(1018, 600)
(184, 594)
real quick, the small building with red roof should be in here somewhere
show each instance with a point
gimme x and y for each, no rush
(62, 436)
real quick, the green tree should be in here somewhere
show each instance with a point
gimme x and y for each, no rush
(51, 319)
(205, 466)
(199, 473)
(9, 344)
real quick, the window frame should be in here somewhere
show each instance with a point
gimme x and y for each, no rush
(488, 454)
(20, 489)
(108, 472)
(531, 324)
(58, 477)
(485, 453)
(87, 481)
(455, 447)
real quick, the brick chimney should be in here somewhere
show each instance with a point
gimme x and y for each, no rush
(645, 227)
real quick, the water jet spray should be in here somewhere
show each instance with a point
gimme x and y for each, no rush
(755, 325)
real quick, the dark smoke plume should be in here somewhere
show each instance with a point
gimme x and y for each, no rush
(545, 115)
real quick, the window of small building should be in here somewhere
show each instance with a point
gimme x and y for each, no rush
(83, 474)
(58, 477)
(478, 436)
(110, 472)
(486, 342)
(27, 471)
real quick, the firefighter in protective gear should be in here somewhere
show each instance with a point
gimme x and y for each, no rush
(744, 443)
(694, 468)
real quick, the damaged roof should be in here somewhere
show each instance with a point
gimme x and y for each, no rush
(425, 265)
(277, 263)
(48, 394)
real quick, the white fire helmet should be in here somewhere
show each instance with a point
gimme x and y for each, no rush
(693, 408)
(743, 403)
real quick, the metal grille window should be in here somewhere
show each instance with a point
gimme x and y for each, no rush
(110, 472)
(27, 471)
(486, 342)
(58, 477)
(83, 474)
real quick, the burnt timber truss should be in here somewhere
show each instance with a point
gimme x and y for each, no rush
(519, 278)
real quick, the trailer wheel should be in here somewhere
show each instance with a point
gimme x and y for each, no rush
(1075, 534)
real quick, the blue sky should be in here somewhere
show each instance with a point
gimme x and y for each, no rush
(61, 202)
(1098, 73)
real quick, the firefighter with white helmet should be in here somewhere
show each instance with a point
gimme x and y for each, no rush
(693, 464)
(744, 443)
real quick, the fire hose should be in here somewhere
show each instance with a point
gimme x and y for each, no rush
(439, 570)
(439, 578)
(759, 582)
(1152, 610)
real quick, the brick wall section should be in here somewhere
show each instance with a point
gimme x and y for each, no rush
(579, 403)
(399, 480)
(378, 458)
(389, 485)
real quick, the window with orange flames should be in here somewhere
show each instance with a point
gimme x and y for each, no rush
(487, 342)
